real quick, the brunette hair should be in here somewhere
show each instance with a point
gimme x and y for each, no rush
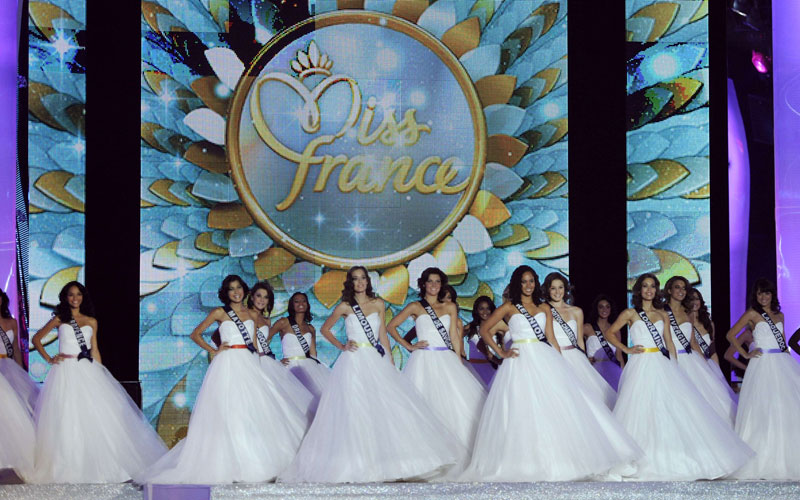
(64, 311)
(349, 292)
(637, 292)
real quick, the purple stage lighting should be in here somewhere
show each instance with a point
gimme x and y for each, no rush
(760, 62)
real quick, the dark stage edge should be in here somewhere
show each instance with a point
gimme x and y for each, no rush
(572, 490)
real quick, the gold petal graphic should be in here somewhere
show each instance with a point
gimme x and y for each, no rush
(145, 204)
(495, 89)
(550, 13)
(554, 181)
(273, 262)
(456, 279)
(489, 209)
(229, 216)
(150, 12)
(154, 79)
(674, 264)
(277, 285)
(558, 247)
(410, 10)
(161, 187)
(663, 14)
(683, 90)
(148, 130)
(534, 136)
(505, 150)
(167, 257)
(349, 4)
(146, 289)
(205, 88)
(203, 242)
(519, 233)
(55, 283)
(393, 285)
(484, 9)
(36, 91)
(466, 303)
(42, 14)
(550, 76)
(463, 37)
(328, 289)
(52, 184)
(701, 12)
(669, 173)
(699, 194)
(450, 256)
(173, 420)
(33, 209)
(208, 156)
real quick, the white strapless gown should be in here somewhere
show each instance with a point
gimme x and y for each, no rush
(451, 391)
(539, 424)
(242, 428)
(608, 369)
(769, 406)
(716, 369)
(17, 438)
(291, 388)
(682, 436)
(587, 376)
(88, 430)
(371, 424)
(20, 381)
(314, 376)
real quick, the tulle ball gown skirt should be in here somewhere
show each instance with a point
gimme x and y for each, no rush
(589, 377)
(17, 437)
(20, 381)
(242, 428)
(288, 385)
(88, 430)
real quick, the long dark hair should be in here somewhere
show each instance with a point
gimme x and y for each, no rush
(4, 311)
(514, 289)
(764, 285)
(307, 316)
(702, 313)
(262, 285)
(548, 281)
(668, 287)
(63, 310)
(222, 293)
(637, 292)
(349, 291)
(593, 316)
(476, 318)
(424, 279)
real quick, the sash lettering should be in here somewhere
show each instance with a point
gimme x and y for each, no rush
(654, 333)
(367, 327)
(85, 354)
(604, 343)
(565, 326)
(6, 342)
(262, 341)
(702, 343)
(687, 346)
(242, 329)
(537, 330)
(775, 332)
(301, 339)
(437, 323)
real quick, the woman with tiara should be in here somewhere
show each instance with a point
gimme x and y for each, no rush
(537, 424)
(261, 300)
(605, 358)
(11, 357)
(242, 428)
(683, 438)
(88, 430)
(769, 401)
(435, 367)
(299, 345)
(568, 331)
(704, 334)
(480, 357)
(371, 424)
(691, 358)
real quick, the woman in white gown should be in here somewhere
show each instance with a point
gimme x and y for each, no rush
(88, 430)
(435, 367)
(371, 424)
(17, 438)
(242, 428)
(683, 438)
(480, 357)
(769, 401)
(299, 345)
(538, 423)
(261, 300)
(691, 358)
(605, 358)
(704, 333)
(11, 357)
(568, 328)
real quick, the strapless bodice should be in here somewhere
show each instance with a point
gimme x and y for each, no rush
(640, 335)
(763, 337)
(291, 345)
(355, 331)
(229, 332)
(10, 335)
(68, 342)
(427, 331)
(561, 335)
(686, 328)
(519, 328)
(595, 350)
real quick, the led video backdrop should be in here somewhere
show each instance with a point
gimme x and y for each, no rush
(400, 135)
(668, 141)
(56, 113)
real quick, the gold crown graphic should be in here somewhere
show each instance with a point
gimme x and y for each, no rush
(311, 62)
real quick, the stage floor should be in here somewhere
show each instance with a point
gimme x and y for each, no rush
(462, 491)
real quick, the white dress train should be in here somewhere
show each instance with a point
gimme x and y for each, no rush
(17, 438)
(608, 369)
(285, 381)
(20, 381)
(313, 375)
(588, 377)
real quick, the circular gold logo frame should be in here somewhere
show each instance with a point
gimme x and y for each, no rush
(356, 17)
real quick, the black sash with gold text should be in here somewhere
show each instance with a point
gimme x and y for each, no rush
(437, 323)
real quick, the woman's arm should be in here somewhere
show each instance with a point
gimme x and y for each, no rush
(383, 338)
(456, 336)
(614, 338)
(312, 346)
(95, 351)
(673, 354)
(747, 318)
(581, 325)
(490, 323)
(325, 329)
(398, 320)
(17, 356)
(548, 326)
(197, 333)
(37, 340)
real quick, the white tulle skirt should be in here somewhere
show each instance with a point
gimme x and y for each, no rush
(372, 425)
(314, 377)
(17, 438)
(88, 430)
(452, 392)
(717, 394)
(769, 406)
(291, 388)
(588, 376)
(539, 424)
(610, 372)
(682, 436)
(242, 428)
(21, 382)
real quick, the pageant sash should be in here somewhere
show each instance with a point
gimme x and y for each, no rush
(702, 343)
(437, 323)
(301, 339)
(242, 329)
(573, 339)
(6, 342)
(367, 327)
(85, 354)
(262, 341)
(604, 343)
(537, 330)
(775, 332)
(687, 346)
(659, 341)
